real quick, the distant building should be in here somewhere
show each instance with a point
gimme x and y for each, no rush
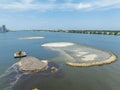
(0, 29)
(3, 28)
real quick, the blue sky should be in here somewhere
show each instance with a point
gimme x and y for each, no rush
(60, 14)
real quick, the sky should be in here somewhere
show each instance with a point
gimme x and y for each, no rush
(60, 14)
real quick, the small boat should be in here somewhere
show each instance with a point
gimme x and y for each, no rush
(20, 54)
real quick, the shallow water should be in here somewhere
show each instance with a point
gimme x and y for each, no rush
(81, 54)
(69, 78)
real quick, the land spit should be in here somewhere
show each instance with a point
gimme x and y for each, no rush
(58, 44)
(32, 64)
(80, 55)
(30, 38)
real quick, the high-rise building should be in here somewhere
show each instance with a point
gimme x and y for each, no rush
(3, 28)
(0, 29)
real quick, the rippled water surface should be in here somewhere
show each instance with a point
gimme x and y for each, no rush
(106, 77)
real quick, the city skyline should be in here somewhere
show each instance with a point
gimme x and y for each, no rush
(60, 14)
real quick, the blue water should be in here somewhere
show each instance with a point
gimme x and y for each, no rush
(69, 78)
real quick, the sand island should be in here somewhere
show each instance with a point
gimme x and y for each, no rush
(31, 38)
(32, 64)
(58, 44)
(80, 55)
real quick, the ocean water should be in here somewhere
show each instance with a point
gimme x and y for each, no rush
(106, 77)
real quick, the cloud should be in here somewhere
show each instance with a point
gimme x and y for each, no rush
(53, 5)
(73, 6)
(103, 4)
(27, 1)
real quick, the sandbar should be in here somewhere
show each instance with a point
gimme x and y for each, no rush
(58, 44)
(80, 55)
(110, 60)
(30, 38)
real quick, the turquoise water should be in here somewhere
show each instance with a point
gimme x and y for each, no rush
(68, 78)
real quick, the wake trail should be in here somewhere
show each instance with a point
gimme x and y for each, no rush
(13, 75)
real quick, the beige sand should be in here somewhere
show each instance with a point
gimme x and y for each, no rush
(79, 54)
(111, 59)
(90, 57)
(30, 38)
(32, 64)
(58, 44)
